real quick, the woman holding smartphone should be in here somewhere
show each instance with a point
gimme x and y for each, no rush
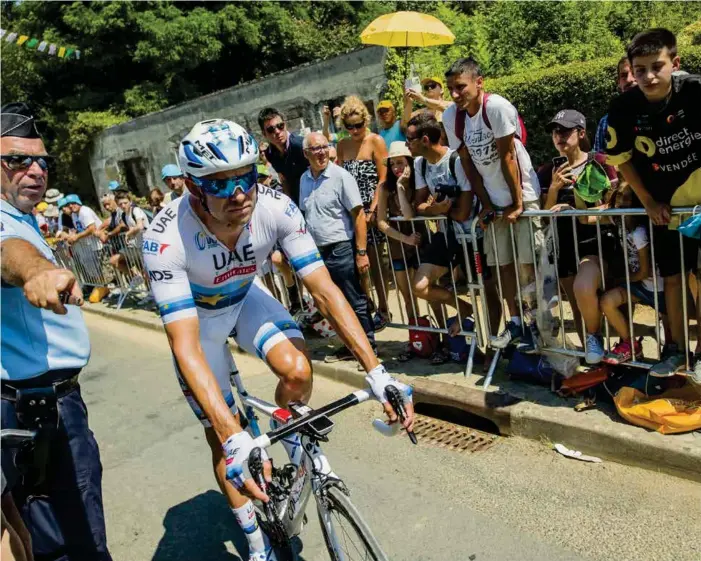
(578, 179)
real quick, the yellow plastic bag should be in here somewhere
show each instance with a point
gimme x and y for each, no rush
(665, 414)
(98, 293)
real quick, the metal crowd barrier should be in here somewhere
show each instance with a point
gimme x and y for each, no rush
(92, 262)
(573, 215)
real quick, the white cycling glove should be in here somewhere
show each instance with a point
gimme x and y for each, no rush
(237, 448)
(378, 378)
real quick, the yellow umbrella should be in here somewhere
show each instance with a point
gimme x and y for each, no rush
(407, 29)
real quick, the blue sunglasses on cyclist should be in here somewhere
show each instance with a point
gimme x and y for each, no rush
(225, 188)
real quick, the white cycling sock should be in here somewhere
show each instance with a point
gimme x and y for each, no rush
(292, 444)
(246, 517)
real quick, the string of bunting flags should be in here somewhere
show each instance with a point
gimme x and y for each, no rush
(42, 46)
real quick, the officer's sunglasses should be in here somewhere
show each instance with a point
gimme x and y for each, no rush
(19, 162)
(225, 188)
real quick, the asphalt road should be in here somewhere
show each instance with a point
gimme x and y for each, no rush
(515, 501)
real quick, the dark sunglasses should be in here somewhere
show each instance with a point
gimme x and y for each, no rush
(357, 126)
(271, 128)
(382, 111)
(18, 162)
(430, 86)
(410, 140)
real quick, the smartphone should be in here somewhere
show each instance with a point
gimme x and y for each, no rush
(558, 161)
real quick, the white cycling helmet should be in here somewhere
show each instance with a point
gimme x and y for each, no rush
(216, 145)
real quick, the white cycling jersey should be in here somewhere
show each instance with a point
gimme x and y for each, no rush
(194, 274)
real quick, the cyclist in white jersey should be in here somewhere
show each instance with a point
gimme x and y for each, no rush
(203, 251)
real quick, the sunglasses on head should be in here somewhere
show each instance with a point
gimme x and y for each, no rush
(18, 162)
(225, 188)
(430, 86)
(356, 126)
(271, 129)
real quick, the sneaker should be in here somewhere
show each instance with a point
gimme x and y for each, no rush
(696, 377)
(295, 308)
(673, 360)
(623, 352)
(379, 320)
(342, 353)
(595, 349)
(511, 334)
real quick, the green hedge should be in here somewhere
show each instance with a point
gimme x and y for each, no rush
(587, 87)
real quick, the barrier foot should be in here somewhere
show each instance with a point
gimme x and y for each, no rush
(492, 368)
(470, 358)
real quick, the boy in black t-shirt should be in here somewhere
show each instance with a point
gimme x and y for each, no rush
(654, 136)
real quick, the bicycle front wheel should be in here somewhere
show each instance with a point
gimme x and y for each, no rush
(347, 535)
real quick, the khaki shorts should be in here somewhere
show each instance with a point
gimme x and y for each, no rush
(522, 238)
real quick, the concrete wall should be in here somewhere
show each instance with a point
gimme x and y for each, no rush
(139, 148)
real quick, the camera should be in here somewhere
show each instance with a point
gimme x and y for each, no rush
(449, 191)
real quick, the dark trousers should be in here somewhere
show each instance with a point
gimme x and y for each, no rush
(339, 259)
(64, 513)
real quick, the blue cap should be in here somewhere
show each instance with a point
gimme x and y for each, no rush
(62, 202)
(171, 170)
(113, 185)
(73, 199)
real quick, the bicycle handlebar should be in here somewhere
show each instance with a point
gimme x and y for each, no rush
(268, 439)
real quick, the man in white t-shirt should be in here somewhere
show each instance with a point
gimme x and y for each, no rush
(438, 174)
(86, 245)
(136, 221)
(502, 176)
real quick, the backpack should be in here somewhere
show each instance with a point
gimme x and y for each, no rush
(461, 115)
(451, 165)
(423, 343)
(458, 346)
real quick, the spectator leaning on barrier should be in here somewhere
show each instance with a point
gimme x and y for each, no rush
(285, 152)
(136, 222)
(502, 176)
(85, 221)
(580, 179)
(173, 178)
(331, 203)
(65, 219)
(439, 177)
(113, 224)
(38, 212)
(156, 201)
(625, 80)
(654, 137)
(44, 346)
(391, 129)
(51, 215)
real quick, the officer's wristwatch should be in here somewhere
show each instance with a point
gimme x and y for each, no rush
(361, 252)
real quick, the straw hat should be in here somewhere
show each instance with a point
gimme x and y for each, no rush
(398, 148)
(51, 212)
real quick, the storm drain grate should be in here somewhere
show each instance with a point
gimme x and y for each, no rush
(453, 437)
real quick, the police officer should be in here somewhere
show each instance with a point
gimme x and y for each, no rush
(58, 488)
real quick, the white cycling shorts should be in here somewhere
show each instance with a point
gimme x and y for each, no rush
(262, 323)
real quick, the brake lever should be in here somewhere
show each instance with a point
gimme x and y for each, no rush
(255, 466)
(394, 397)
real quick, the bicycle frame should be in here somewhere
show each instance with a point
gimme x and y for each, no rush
(314, 470)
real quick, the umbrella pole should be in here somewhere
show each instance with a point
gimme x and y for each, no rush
(406, 65)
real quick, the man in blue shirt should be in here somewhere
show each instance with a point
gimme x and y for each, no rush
(44, 346)
(390, 128)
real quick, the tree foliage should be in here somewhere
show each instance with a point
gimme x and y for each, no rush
(142, 56)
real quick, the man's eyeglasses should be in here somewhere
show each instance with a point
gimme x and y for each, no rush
(316, 150)
(225, 188)
(18, 162)
(430, 86)
(356, 126)
(410, 140)
(272, 128)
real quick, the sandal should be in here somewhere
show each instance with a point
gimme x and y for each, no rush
(438, 358)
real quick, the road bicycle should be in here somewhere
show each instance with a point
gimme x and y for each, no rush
(346, 534)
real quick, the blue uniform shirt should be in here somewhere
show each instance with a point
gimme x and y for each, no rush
(35, 341)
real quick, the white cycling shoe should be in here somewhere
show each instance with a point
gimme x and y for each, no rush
(269, 555)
